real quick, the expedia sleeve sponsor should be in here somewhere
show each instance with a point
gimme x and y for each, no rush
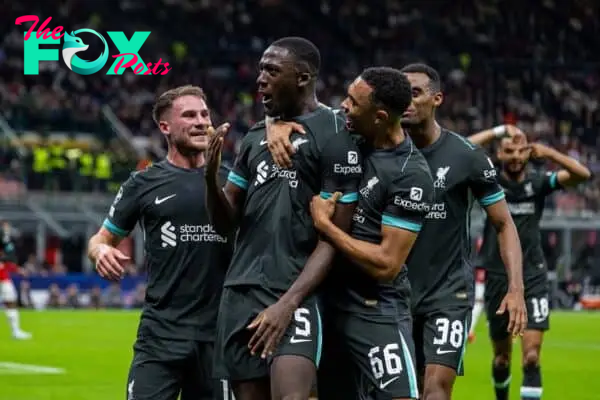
(341, 168)
(483, 179)
(410, 200)
(125, 209)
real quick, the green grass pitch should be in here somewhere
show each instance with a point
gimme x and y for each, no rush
(87, 354)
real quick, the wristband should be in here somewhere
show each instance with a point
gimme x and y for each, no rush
(500, 131)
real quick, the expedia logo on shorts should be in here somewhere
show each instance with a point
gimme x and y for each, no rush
(347, 169)
(411, 205)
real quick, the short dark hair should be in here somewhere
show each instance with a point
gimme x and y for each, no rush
(391, 88)
(303, 50)
(435, 84)
(165, 101)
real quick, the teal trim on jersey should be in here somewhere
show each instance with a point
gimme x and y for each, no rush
(319, 337)
(400, 223)
(464, 346)
(237, 180)
(112, 228)
(491, 199)
(347, 198)
(554, 180)
(466, 141)
(410, 368)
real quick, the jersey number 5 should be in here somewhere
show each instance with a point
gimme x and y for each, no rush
(449, 332)
(302, 322)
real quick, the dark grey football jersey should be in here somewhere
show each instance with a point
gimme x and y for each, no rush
(397, 191)
(186, 259)
(526, 204)
(276, 233)
(439, 267)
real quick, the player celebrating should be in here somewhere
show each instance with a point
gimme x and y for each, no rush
(526, 190)
(186, 258)
(8, 293)
(439, 267)
(369, 289)
(279, 260)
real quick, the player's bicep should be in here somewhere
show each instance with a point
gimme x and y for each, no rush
(397, 242)
(498, 214)
(342, 217)
(235, 195)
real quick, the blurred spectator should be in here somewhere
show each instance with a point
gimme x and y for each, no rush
(96, 298)
(55, 297)
(25, 300)
(113, 296)
(72, 297)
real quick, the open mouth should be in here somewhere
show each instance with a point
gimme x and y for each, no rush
(349, 124)
(198, 133)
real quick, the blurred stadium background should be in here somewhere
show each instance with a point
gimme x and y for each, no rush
(69, 140)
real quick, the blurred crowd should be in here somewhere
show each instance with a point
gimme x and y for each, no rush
(73, 298)
(501, 61)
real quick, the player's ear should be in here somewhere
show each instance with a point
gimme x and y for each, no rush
(438, 99)
(381, 117)
(164, 127)
(303, 79)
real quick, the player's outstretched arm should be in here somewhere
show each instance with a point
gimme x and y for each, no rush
(572, 173)
(499, 132)
(223, 203)
(382, 261)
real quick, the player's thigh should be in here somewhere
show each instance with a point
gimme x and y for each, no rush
(304, 336)
(294, 364)
(199, 382)
(383, 351)
(445, 333)
(538, 306)
(337, 376)
(155, 372)
(233, 361)
(8, 293)
(495, 290)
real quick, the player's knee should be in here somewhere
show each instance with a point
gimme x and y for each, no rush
(502, 359)
(438, 389)
(437, 392)
(531, 358)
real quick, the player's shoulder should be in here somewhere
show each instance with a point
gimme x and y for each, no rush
(459, 143)
(324, 123)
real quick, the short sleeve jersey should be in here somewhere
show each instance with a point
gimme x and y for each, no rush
(439, 267)
(185, 258)
(396, 191)
(276, 233)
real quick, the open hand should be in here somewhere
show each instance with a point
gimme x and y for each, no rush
(269, 327)
(278, 141)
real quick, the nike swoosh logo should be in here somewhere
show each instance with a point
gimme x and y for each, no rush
(440, 351)
(295, 340)
(159, 201)
(386, 383)
(263, 142)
